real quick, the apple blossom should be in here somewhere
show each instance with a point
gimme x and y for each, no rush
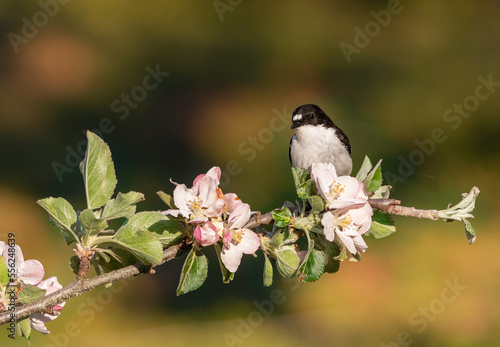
(348, 224)
(206, 235)
(338, 191)
(200, 202)
(238, 241)
(38, 320)
(27, 271)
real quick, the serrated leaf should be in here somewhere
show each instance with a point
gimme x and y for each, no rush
(98, 172)
(4, 273)
(382, 225)
(373, 180)
(287, 261)
(167, 199)
(313, 266)
(282, 217)
(300, 175)
(365, 168)
(30, 293)
(144, 245)
(23, 328)
(469, 231)
(169, 231)
(268, 271)
(304, 185)
(194, 272)
(90, 223)
(227, 276)
(122, 206)
(316, 203)
(62, 215)
(384, 192)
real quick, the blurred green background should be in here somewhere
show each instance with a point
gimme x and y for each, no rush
(65, 68)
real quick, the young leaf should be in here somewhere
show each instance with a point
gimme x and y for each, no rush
(268, 271)
(300, 176)
(303, 183)
(111, 260)
(332, 252)
(282, 217)
(90, 223)
(469, 231)
(287, 261)
(167, 228)
(74, 264)
(313, 266)
(167, 199)
(23, 329)
(227, 276)
(98, 172)
(316, 203)
(382, 225)
(194, 272)
(365, 168)
(30, 293)
(122, 206)
(144, 245)
(373, 180)
(62, 215)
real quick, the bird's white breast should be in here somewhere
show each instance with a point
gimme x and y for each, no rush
(317, 144)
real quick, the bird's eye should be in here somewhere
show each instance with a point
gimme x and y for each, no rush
(312, 115)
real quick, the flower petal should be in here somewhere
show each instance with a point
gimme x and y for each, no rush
(206, 235)
(182, 196)
(18, 255)
(231, 257)
(239, 217)
(328, 222)
(250, 242)
(31, 272)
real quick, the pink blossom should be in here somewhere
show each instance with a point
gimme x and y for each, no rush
(238, 241)
(338, 191)
(201, 202)
(206, 235)
(28, 271)
(348, 224)
(38, 320)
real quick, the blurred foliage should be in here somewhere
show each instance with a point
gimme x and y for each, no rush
(225, 79)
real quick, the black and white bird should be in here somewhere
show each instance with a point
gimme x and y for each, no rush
(318, 140)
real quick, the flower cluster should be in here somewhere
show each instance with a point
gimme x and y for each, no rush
(216, 216)
(348, 214)
(30, 272)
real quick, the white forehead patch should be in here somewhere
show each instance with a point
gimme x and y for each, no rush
(297, 117)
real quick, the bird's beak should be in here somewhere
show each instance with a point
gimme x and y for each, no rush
(295, 125)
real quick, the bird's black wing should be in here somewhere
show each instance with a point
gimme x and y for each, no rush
(343, 138)
(290, 150)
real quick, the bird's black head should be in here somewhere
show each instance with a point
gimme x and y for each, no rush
(310, 115)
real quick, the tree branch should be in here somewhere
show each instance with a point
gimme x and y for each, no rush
(80, 286)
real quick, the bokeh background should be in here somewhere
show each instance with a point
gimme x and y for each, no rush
(232, 70)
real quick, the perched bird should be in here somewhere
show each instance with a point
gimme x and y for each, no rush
(318, 140)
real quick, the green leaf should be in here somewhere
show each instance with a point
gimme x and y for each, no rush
(332, 252)
(227, 276)
(4, 273)
(167, 199)
(194, 272)
(469, 231)
(90, 223)
(23, 328)
(373, 180)
(316, 203)
(169, 231)
(287, 261)
(98, 172)
(112, 259)
(365, 168)
(62, 215)
(384, 192)
(382, 225)
(313, 266)
(304, 185)
(282, 217)
(268, 271)
(144, 245)
(30, 293)
(122, 206)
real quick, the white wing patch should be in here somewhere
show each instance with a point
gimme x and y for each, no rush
(297, 117)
